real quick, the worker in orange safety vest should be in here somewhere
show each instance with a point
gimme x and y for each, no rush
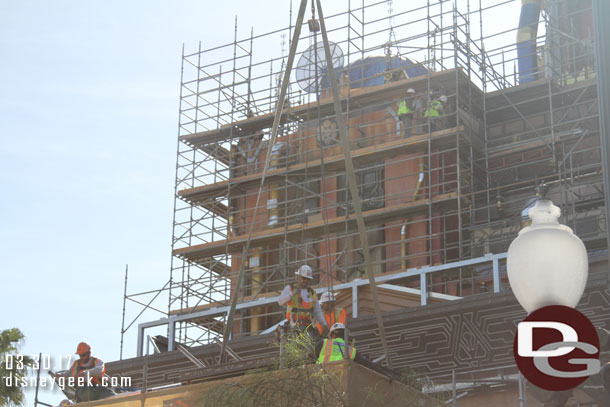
(91, 370)
(331, 313)
(302, 306)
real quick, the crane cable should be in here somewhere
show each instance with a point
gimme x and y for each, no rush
(276, 122)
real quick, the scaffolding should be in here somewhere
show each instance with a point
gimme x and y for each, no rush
(442, 197)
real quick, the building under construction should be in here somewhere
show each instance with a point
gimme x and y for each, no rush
(441, 197)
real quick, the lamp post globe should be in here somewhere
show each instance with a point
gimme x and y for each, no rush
(547, 263)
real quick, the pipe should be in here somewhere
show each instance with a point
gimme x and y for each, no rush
(274, 195)
(522, 393)
(527, 57)
(230, 226)
(256, 323)
(403, 230)
(403, 246)
(453, 389)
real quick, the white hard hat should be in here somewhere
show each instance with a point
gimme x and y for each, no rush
(443, 98)
(305, 271)
(410, 90)
(327, 296)
(337, 325)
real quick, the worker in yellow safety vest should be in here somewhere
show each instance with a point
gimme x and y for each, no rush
(406, 109)
(302, 306)
(331, 314)
(334, 348)
(434, 112)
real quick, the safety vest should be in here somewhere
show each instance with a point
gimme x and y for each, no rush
(334, 349)
(433, 109)
(403, 108)
(338, 315)
(298, 310)
(77, 368)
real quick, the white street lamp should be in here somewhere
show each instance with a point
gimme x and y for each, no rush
(547, 264)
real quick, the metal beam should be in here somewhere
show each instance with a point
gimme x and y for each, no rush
(415, 291)
(191, 357)
(354, 301)
(140, 343)
(496, 274)
(271, 328)
(229, 351)
(171, 335)
(423, 284)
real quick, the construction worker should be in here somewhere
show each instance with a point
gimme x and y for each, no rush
(405, 111)
(88, 373)
(302, 306)
(331, 314)
(434, 112)
(443, 110)
(333, 348)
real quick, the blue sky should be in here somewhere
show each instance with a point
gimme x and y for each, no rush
(89, 96)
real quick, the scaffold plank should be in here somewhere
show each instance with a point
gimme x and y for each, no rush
(332, 225)
(332, 164)
(324, 107)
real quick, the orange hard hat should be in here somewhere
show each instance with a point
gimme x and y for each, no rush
(83, 348)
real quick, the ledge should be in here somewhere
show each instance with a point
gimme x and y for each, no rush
(357, 97)
(332, 225)
(332, 164)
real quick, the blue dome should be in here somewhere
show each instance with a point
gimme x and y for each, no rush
(374, 67)
(370, 71)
